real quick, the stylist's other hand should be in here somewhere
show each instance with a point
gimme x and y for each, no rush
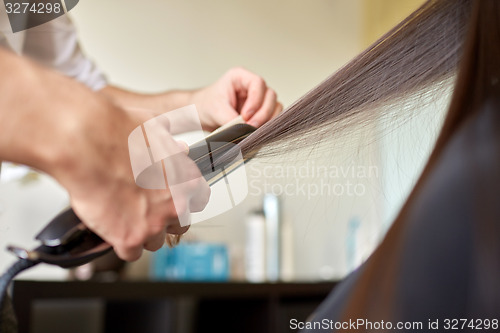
(238, 91)
(96, 171)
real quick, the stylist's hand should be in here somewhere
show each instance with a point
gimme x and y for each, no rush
(96, 170)
(57, 125)
(238, 91)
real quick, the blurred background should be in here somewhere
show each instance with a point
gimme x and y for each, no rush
(157, 45)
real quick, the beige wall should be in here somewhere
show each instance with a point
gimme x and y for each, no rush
(381, 15)
(151, 45)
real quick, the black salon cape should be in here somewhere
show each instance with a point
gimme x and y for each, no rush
(436, 266)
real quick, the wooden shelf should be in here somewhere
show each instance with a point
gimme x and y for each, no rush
(169, 306)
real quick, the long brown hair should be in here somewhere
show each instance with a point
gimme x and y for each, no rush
(443, 39)
(421, 51)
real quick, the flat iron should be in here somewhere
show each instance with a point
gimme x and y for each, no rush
(67, 242)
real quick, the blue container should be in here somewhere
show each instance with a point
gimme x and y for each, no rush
(191, 262)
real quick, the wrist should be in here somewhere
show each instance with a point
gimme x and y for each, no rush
(95, 148)
(187, 121)
(175, 99)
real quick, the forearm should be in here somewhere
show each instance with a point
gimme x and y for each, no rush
(20, 104)
(156, 104)
(36, 112)
(161, 102)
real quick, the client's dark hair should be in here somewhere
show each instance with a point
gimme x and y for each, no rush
(421, 51)
(442, 40)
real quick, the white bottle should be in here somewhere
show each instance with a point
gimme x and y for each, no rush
(255, 248)
(272, 214)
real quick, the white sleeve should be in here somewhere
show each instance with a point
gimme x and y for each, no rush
(55, 45)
